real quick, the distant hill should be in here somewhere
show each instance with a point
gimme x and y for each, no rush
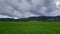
(43, 18)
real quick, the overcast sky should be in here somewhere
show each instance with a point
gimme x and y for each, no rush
(28, 8)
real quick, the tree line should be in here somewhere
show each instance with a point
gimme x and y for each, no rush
(39, 18)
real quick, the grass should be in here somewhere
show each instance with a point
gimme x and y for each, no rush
(29, 27)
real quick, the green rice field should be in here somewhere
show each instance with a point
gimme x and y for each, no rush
(29, 27)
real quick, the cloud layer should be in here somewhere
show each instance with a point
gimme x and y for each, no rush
(28, 8)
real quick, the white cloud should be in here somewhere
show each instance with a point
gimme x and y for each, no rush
(4, 16)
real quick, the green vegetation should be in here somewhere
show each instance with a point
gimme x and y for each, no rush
(29, 27)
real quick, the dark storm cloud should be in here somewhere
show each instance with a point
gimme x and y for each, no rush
(27, 8)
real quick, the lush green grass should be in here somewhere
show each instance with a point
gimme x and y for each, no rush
(29, 27)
